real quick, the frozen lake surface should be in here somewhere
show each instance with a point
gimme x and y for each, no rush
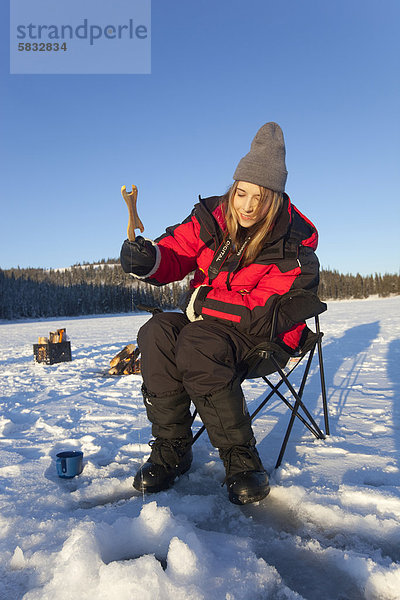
(330, 527)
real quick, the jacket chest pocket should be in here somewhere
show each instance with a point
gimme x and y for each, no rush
(247, 279)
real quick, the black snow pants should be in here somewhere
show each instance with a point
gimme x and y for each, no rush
(199, 361)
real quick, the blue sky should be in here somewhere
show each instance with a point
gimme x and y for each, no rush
(327, 72)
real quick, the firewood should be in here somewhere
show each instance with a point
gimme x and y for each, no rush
(126, 362)
(128, 369)
(124, 353)
(118, 369)
(132, 365)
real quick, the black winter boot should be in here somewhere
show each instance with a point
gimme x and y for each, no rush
(168, 460)
(246, 478)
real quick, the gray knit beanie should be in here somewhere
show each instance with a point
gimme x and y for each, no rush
(265, 163)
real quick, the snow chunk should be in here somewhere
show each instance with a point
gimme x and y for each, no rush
(17, 560)
(182, 561)
(154, 519)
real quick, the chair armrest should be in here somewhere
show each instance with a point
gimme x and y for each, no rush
(295, 307)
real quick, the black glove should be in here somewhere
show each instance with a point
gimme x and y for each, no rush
(138, 257)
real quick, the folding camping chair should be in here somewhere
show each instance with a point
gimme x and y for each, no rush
(273, 356)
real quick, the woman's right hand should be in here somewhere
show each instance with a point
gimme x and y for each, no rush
(138, 257)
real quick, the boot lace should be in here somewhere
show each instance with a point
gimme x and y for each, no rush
(238, 454)
(168, 452)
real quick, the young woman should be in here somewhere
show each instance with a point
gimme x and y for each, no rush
(245, 249)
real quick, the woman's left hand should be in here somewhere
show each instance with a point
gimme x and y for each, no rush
(197, 297)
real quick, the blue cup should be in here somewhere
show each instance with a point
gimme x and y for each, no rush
(69, 463)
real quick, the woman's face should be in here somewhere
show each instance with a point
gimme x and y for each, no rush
(246, 204)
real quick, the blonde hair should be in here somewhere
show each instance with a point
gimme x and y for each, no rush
(261, 230)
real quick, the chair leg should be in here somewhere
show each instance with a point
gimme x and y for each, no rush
(267, 398)
(296, 407)
(198, 434)
(285, 401)
(298, 396)
(322, 377)
(200, 431)
(275, 389)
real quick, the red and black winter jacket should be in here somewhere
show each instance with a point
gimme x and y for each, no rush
(244, 297)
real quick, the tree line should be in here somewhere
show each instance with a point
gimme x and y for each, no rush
(104, 288)
(336, 286)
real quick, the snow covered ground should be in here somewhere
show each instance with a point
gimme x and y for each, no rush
(329, 528)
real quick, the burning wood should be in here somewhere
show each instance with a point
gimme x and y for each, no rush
(126, 362)
(53, 349)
